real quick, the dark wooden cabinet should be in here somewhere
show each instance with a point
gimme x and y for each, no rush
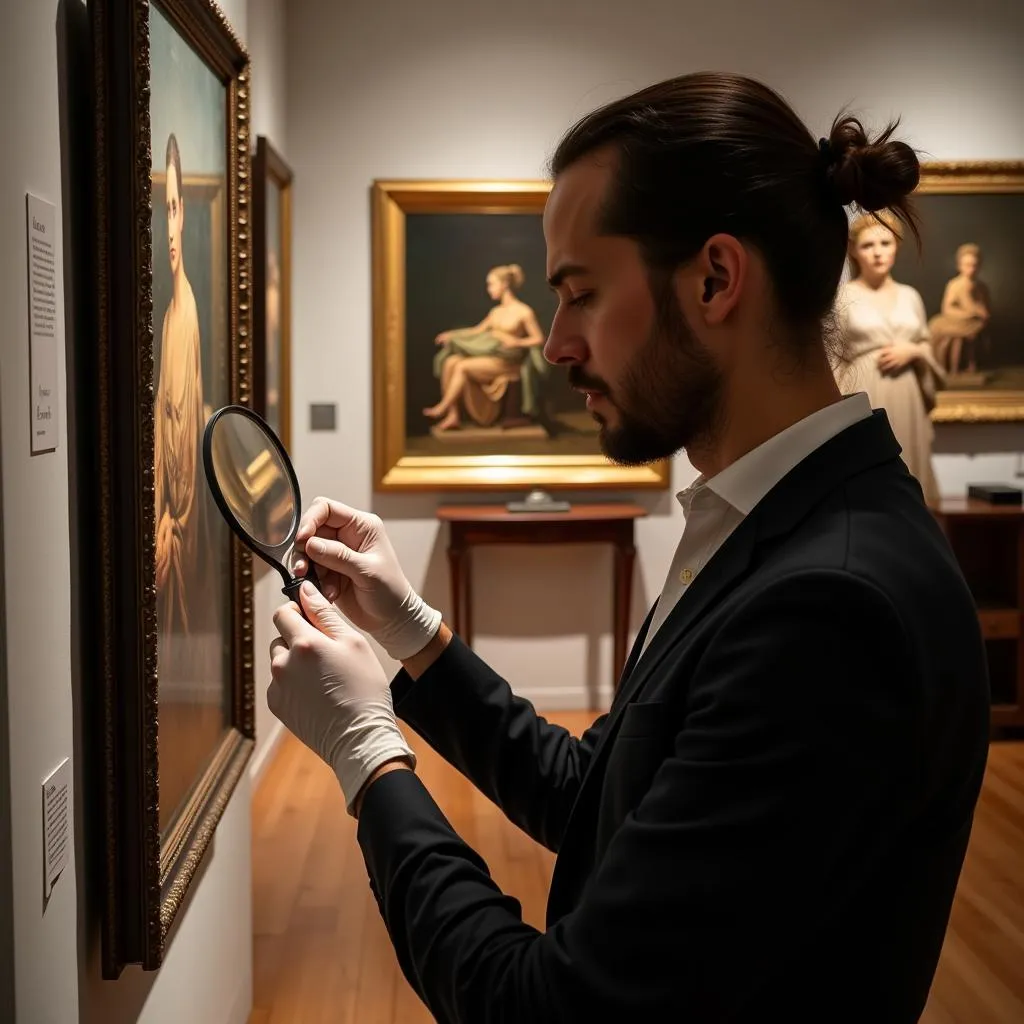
(988, 541)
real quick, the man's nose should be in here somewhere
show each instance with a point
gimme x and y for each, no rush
(564, 345)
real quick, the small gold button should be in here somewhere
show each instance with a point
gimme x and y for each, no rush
(686, 576)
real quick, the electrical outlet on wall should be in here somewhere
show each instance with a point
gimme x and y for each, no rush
(322, 416)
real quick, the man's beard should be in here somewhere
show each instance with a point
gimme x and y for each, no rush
(670, 397)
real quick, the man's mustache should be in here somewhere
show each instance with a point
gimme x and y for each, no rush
(582, 382)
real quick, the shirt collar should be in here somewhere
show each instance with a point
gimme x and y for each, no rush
(746, 481)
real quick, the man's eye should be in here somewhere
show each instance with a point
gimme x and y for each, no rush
(580, 300)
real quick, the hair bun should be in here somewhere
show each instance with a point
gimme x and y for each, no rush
(875, 174)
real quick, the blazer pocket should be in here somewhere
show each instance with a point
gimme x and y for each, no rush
(643, 720)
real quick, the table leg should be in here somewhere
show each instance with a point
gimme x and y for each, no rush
(467, 597)
(625, 555)
(455, 558)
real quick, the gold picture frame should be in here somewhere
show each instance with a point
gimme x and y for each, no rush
(458, 239)
(980, 202)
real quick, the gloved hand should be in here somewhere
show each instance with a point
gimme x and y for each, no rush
(362, 575)
(329, 689)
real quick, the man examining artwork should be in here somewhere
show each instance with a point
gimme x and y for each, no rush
(770, 821)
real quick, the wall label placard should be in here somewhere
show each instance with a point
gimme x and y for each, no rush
(43, 326)
(56, 824)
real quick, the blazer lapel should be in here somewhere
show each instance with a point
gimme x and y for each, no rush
(634, 654)
(724, 568)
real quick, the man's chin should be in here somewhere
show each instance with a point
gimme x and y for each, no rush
(623, 449)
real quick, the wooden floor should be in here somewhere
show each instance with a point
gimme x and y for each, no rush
(322, 956)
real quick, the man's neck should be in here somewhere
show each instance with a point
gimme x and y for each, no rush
(759, 408)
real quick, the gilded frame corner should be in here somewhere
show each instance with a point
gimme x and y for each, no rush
(393, 468)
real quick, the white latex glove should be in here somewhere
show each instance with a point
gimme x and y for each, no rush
(329, 689)
(359, 570)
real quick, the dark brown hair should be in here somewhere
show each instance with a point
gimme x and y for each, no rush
(710, 152)
(174, 160)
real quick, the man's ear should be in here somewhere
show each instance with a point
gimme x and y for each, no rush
(715, 279)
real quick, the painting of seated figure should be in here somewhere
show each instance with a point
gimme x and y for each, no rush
(477, 381)
(971, 257)
(492, 373)
(465, 398)
(958, 331)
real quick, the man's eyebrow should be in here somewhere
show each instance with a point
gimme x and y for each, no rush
(564, 271)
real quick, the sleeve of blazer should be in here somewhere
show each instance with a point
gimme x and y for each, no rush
(530, 768)
(789, 772)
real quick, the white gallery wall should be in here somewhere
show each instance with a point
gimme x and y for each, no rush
(35, 531)
(207, 976)
(451, 89)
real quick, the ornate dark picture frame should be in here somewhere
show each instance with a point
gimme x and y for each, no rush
(272, 182)
(151, 863)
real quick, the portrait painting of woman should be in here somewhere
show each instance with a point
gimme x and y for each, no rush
(887, 345)
(190, 349)
(179, 419)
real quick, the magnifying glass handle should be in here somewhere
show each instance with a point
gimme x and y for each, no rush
(292, 590)
(312, 576)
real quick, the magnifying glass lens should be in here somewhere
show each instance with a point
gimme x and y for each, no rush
(254, 481)
(254, 484)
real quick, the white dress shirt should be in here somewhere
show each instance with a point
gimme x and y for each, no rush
(715, 507)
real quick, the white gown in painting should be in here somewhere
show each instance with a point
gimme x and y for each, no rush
(908, 395)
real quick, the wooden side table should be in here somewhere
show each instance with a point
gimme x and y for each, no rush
(988, 541)
(474, 525)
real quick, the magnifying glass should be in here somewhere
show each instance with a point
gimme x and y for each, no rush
(254, 485)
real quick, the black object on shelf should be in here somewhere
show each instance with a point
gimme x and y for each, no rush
(995, 494)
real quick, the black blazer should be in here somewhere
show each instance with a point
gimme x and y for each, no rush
(769, 824)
